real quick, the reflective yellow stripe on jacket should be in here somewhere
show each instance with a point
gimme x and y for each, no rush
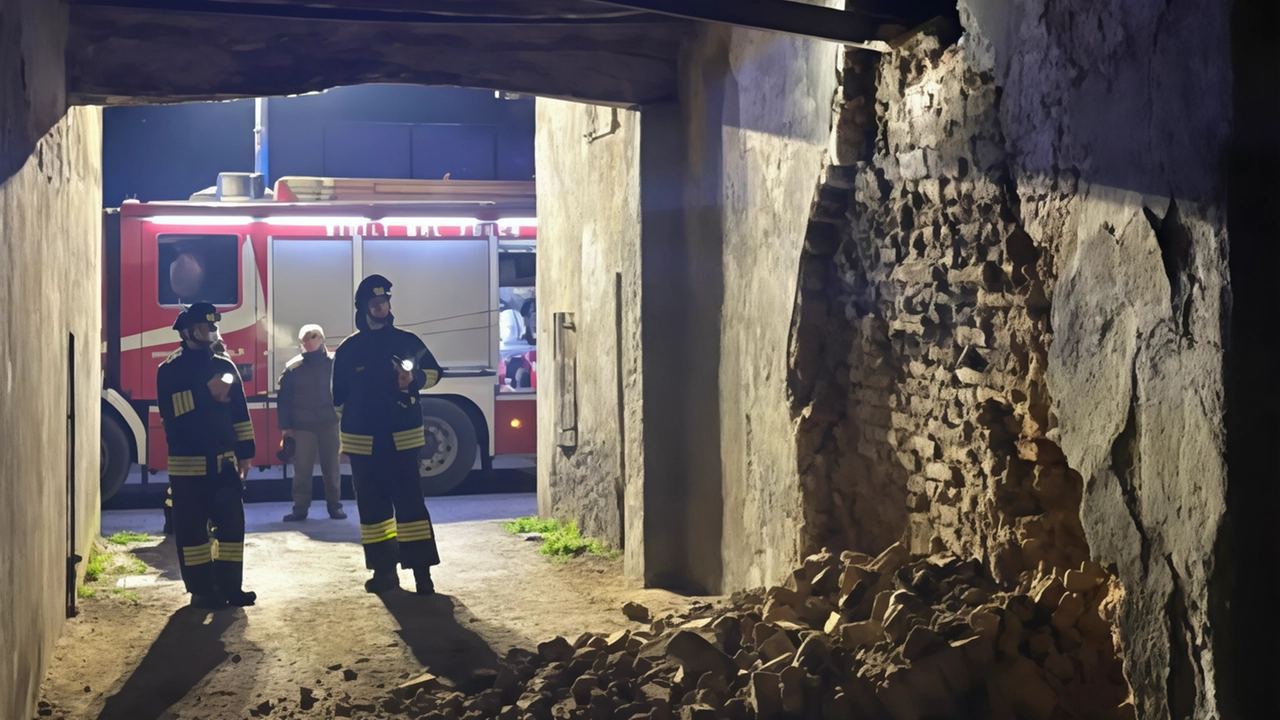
(409, 439)
(197, 465)
(357, 444)
(244, 430)
(183, 403)
(188, 466)
(380, 532)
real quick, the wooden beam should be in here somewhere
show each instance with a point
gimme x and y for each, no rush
(850, 27)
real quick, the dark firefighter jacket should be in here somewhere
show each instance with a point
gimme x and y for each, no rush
(305, 402)
(377, 416)
(202, 432)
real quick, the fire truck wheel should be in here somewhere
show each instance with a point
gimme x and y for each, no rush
(451, 446)
(113, 457)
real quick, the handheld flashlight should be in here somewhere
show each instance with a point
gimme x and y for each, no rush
(228, 378)
(405, 365)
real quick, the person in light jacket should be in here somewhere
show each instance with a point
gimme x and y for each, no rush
(305, 414)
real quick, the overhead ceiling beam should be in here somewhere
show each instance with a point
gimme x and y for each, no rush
(118, 56)
(424, 16)
(850, 27)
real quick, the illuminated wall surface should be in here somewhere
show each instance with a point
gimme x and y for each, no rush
(168, 152)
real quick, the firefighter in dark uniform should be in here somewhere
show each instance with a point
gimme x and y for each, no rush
(210, 438)
(377, 373)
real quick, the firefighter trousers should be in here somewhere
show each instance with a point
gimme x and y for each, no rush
(394, 523)
(211, 562)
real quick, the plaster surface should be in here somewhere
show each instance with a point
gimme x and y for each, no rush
(50, 230)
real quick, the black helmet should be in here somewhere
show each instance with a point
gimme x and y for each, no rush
(372, 287)
(201, 312)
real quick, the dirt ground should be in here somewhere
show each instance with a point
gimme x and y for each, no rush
(314, 625)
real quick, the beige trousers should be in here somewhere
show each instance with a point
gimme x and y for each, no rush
(308, 445)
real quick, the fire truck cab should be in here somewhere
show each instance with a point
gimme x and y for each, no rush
(461, 257)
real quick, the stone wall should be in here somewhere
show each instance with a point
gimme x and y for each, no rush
(1008, 342)
(588, 265)
(945, 299)
(772, 134)
(32, 76)
(722, 181)
(50, 230)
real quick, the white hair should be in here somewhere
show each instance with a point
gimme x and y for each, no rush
(310, 330)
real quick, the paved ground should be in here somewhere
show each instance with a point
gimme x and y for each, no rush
(510, 474)
(153, 657)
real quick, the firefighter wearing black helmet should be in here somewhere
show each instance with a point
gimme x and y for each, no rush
(377, 374)
(210, 438)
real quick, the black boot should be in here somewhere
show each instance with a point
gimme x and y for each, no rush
(230, 577)
(295, 516)
(208, 601)
(422, 577)
(382, 581)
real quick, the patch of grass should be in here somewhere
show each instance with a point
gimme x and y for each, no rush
(104, 564)
(96, 565)
(560, 540)
(532, 525)
(124, 537)
(84, 591)
(567, 541)
(126, 595)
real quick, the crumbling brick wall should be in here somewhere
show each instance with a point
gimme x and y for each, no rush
(1009, 330)
(930, 306)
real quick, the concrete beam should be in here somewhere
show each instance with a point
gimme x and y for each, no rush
(121, 55)
(503, 12)
(850, 27)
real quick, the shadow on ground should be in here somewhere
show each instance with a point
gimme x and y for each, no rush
(436, 629)
(162, 556)
(189, 648)
(135, 496)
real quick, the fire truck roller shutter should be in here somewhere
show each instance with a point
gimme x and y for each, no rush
(451, 446)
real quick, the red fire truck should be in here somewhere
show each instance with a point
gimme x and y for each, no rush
(460, 253)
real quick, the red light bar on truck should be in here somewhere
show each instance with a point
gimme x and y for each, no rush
(496, 193)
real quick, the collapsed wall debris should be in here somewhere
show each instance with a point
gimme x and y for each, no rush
(847, 636)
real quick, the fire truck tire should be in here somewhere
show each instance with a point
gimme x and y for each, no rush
(451, 446)
(114, 459)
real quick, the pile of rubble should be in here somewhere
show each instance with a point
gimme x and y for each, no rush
(848, 636)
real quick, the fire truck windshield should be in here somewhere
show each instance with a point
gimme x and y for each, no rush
(198, 268)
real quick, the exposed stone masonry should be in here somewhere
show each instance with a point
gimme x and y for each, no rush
(942, 432)
(921, 337)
